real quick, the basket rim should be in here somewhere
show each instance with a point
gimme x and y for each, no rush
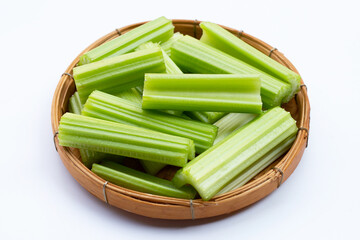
(273, 177)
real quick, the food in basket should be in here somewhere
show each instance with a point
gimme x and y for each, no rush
(220, 77)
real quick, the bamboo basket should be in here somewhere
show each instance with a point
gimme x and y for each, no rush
(172, 208)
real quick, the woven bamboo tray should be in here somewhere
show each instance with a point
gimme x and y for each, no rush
(172, 208)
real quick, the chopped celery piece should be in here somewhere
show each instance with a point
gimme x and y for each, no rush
(75, 105)
(139, 181)
(131, 95)
(88, 157)
(203, 92)
(172, 68)
(214, 169)
(230, 123)
(158, 30)
(166, 46)
(107, 107)
(119, 73)
(152, 167)
(206, 117)
(115, 138)
(258, 166)
(218, 37)
(197, 57)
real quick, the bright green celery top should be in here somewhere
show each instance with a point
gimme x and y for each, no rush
(203, 92)
(230, 123)
(158, 30)
(166, 46)
(107, 107)
(139, 181)
(211, 171)
(88, 157)
(197, 57)
(218, 37)
(119, 139)
(259, 165)
(119, 73)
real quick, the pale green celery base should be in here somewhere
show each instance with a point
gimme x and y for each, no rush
(152, 167)
(217, 37)
(258, 166)
(231, 123)
(139, 181)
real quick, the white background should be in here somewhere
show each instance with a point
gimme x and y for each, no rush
(39, 198)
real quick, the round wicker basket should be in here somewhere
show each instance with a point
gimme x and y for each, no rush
(172, 208)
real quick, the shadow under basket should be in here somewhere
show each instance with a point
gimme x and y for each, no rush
(155, 206)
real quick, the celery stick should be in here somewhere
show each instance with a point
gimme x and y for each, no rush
(218, 37)
(166, 46)
(230, 123)
(172, 68)
(131, 95)
(206, 117)
(158, 30)
(258, 166)
(202, 92)
(107, 107)
(115, 138)
(88, 157)
(211, 171)
(194, 56)
(139, 181)
(119, 73)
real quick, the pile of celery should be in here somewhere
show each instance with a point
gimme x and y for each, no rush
(210, 107)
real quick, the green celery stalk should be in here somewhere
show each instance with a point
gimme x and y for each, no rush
(214, 169)
(218, 37)
(258, 166)
(119, 139)
(197, 57)
(88, 157)
(166, 46)
(131, 95)
(139, 181)
(119, 73)
(158, 30)
(108, 107)
(231, 123)
(206, 117)
(202, 92)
